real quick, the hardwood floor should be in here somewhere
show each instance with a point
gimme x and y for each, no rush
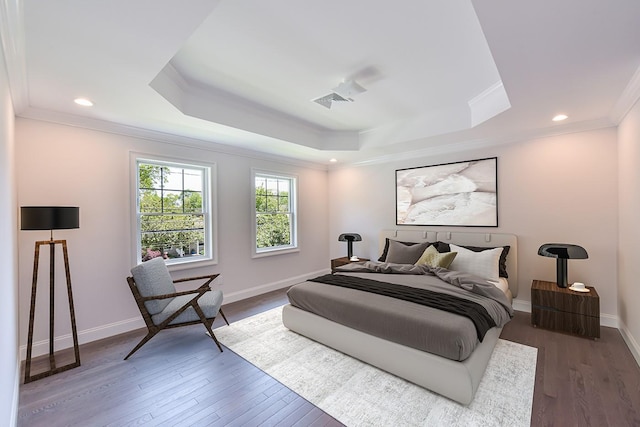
(179, 378)
(580, 381)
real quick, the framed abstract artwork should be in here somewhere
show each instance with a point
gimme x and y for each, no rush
(451, 194)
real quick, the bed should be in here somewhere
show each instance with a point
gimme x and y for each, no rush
(383, 340)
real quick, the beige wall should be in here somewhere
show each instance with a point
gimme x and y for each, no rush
(629, 229)
(9, 368)
(557, 189)
(63, 165)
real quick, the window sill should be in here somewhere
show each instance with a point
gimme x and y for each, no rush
(272, 252)
(185, 263)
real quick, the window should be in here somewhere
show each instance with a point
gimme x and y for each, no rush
(275, 213)
(173, 211)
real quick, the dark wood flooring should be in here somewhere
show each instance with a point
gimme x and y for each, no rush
(180, 378)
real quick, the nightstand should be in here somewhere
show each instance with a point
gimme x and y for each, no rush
(337, 262)
(561, 309)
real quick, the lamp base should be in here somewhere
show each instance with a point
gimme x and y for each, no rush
(53, 369)
(561, 273)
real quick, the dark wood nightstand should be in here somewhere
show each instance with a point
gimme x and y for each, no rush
(562, 309)
(337, 262)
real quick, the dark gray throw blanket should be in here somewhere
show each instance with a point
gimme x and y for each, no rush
(458, 279)
(474, 311)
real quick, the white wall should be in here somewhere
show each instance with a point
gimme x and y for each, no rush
(629, 229)
(556, 189)
(9, 367)
(63, 165)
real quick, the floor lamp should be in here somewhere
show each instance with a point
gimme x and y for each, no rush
(50, 218)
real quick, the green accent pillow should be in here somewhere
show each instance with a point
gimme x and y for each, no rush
(433, 258)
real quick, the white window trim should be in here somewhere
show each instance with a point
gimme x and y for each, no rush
(293, 197)
(210, 188)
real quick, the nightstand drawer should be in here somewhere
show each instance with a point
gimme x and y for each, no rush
(572, 323)
(562, 309)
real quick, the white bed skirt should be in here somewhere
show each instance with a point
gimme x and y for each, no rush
(456, 380)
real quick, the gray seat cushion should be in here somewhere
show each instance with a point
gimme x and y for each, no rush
(152, 278)
(210, 303)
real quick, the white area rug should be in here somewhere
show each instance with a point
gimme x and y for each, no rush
(358, 394)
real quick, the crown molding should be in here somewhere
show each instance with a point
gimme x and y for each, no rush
(491, 102)
(481, 143)
(161, 137)
(213, 146)
(13, 45)
(628, 99)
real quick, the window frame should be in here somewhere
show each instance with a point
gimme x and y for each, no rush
(293, 211)
(209, 201)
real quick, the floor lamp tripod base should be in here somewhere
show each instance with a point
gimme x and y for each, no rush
(53, 369)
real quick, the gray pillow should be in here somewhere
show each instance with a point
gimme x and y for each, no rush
(400, 253)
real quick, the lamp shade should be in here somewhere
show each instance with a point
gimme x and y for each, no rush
(349, 237)
(49, 217)
(563, 250)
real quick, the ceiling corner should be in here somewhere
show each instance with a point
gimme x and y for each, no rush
(13, 45)
(628, 99)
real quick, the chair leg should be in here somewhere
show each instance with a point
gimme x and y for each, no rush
(144, 340)
(214, 337)
(210, 331)
(224, 317)
(207, 324)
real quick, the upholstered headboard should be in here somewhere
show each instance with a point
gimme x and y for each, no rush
(462, 238)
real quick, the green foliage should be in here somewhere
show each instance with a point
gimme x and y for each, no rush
(171, 222)
(273, 220)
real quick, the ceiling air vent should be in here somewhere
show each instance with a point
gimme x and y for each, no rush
(344, 92)
(327, 100)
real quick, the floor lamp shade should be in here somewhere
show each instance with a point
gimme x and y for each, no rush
(49, 217)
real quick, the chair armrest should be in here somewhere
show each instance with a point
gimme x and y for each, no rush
(187, 279)
(201, 290)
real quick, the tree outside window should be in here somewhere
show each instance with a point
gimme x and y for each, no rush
(275, 212)
(172, 211)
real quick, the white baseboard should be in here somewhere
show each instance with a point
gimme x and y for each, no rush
(273, 286)
(520, 305)
(633, 345)
(88, 335)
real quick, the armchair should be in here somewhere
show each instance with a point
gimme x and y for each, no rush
(162, 307)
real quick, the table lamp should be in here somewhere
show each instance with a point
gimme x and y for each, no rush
(562, 252)
(349, 238)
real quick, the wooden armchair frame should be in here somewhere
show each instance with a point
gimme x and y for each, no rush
(153, 329)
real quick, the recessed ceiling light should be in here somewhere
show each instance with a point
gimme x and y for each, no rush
(560, 117)
(333, 160)
(84, 102)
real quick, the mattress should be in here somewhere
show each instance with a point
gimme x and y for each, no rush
(424, 328)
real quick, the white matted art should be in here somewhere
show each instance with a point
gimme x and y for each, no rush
(451, 194)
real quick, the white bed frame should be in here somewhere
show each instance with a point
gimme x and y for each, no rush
(455, 380)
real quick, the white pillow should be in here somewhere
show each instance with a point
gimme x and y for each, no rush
(483, 264)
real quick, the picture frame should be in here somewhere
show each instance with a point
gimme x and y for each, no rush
(461, 194)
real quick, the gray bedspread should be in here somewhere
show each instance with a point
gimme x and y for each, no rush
(445, 334)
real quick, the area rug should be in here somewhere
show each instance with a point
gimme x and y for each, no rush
(358, 394)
